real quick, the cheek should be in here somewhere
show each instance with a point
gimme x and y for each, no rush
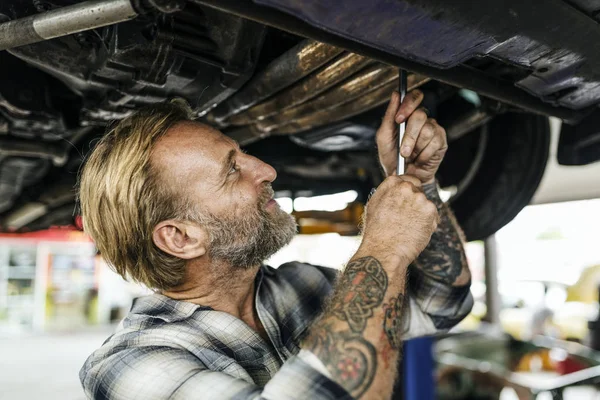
(245, 197)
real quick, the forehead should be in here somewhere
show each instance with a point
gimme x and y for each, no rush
(190, 149)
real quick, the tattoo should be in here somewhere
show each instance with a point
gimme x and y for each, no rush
(392, 323)
(365, 282)
(349, 357)
(444, 257)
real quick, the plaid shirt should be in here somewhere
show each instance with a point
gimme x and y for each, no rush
(174, 349)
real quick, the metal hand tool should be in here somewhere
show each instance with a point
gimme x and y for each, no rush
(402, 126)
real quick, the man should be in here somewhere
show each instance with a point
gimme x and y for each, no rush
(177, 205)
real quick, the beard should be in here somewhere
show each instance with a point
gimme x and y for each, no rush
(248, 240)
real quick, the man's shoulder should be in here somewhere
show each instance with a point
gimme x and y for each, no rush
(297, 272)
(154, 325)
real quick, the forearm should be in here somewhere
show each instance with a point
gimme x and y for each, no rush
(444, 257)
(358, 336)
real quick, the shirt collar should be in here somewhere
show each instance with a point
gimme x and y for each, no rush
(160, 306)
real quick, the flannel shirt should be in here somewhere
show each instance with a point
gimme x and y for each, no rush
(174, 349)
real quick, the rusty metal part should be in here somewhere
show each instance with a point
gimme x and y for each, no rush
(369, 100)
(328, 106)
(359, 85)
(14, 147)
(468, 123)
(328, 111)
(286, 70)
(343, 67)
(59, 194)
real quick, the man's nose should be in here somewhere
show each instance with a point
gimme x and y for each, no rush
(263, 172)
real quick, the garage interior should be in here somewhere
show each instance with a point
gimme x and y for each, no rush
(304, 86)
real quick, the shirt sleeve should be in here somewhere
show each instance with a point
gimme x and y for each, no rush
(168, 373)
(434, 306)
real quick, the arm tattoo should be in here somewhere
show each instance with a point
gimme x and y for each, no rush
(392, 323)
(349, 357)
(444, 258)
(366, 283)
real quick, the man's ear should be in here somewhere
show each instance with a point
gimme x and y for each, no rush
(180, 239)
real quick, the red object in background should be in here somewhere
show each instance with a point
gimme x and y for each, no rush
(57, 234)
(569, 365)
(79, 222)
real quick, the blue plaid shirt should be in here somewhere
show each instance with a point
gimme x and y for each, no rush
(174, 349)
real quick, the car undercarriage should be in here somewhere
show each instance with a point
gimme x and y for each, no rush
(303, 86)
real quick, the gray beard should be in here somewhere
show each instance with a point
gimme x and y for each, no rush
(247, 241)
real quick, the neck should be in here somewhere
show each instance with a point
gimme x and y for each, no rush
(219, 286)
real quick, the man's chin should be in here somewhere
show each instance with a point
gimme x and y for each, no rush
(250, 244)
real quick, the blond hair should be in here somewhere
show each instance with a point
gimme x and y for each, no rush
(122, 197)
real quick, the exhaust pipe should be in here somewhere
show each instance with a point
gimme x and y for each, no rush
(354, 88)
(293, 65)
(77, 18)
(367, 90)
(343, 67)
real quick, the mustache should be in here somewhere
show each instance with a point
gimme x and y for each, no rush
(267, 194)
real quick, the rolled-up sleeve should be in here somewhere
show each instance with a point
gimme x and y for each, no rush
(434, 306)
(431, 306)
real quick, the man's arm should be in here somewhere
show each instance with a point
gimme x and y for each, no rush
(358, 336)
(438, 284)
(444, 257)
(353, 339)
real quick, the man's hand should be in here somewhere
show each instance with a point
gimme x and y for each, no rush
(424, 144)
(359, 334)
(399, 219)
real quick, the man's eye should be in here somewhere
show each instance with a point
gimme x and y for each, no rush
(233, 170)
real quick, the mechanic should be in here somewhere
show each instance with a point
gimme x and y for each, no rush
(176, 205)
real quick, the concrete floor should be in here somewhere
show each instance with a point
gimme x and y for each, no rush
(46, 367)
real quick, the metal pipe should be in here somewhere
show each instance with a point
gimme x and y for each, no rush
(460, 76)
(64, 21)
(369, 100)
(380, 95)
(293, 65)
(341, 68)
(353, 89)
(493, 300)
(468, 123)
(370, 78)
(367, 90)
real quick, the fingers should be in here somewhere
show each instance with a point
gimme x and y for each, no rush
(431, 145)
(412, 179)
(414, 182)
(411, 102)
(388, 123)
(386, 137)
(413, 130)
(426, 135)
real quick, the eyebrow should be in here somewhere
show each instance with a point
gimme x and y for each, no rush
(228, 162)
